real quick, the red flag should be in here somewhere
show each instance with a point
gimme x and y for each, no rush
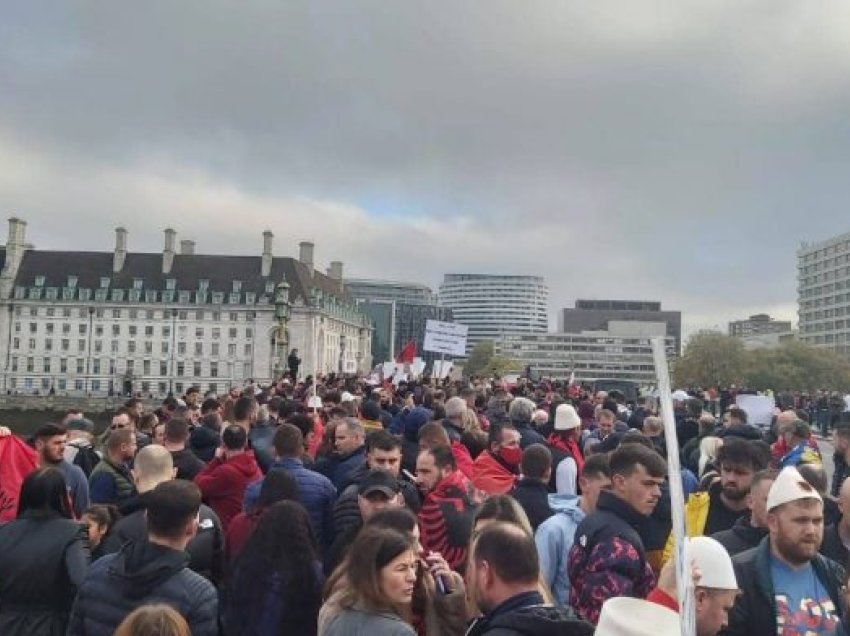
(407, 354)
(17, 460)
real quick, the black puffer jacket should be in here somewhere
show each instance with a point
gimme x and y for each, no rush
(42, 560)
(206, 549)
(142, 573)
(346, 512)
(525, 615)
(740, 537)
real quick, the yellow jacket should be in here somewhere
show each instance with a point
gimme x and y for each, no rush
(696, 516)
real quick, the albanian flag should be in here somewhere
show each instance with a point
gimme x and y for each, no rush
(407, 354)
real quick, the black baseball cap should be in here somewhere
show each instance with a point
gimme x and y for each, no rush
(379, 481)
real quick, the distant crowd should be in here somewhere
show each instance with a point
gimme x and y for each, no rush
(339, 507)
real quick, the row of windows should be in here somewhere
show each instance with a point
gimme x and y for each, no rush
(107, 366)
(64, 345)
(134, 314)
(97, 385)
(139, 283)
(832, 250)
(133, 330)
(137, 296)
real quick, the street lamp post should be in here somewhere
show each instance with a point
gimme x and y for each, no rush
(281, 314)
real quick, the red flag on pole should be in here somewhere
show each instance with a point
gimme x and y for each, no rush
(407, 354)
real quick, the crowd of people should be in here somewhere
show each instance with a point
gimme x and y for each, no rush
(342, 508)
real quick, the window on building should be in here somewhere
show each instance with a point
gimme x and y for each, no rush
(181, 348)
(199, 332)
(63, 365)
(117, 295)
(216, 316)
(72, 281)
(39, 281)
(163, 367)
(181, 369)
(63, 384)
(14, 364)
(81, 365)
(66, 328)
(48, 344)
(116, 330)
(16, 343)
(31, 343)
(199, 348)
(166, 331)
(183, 314)
(164, 347)
(132, 330)
(148, 347)
(196, 369)
(231, 350)
(116, 313)
(49, 327)
(247, 350)
(249, 333)
(33, 327)
(250, 298)
(113, 346)
(182, 331)
(233, 299)
(214, 349)
(216, 333)
(138, 283)
(81, 345)
(33, 311)
(104, 282)
(149, 331)
(218, 297)
(146, 367)
(131, 346)
(199, 315)
(213, 369)
(50, 312)
(130, 366)
(234, 316)
(203, 285)
(95, 365)
(66, 344)
(232, 332)
(171, 284)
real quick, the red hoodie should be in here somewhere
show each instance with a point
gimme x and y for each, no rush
(223, 483)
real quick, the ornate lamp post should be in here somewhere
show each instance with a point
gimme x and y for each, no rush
(281, 315)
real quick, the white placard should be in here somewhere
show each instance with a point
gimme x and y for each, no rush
(445, 337)
(442, 368)
(759, 408)
(417, 367)
(388, 368)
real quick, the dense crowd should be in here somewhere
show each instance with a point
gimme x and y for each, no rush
(343, 508)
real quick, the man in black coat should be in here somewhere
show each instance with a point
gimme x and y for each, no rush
(786, 586)
(504, 585)
(750, 528)
(153, 466)
(532, 491)
(151, 571)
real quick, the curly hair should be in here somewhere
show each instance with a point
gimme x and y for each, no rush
(278, 565)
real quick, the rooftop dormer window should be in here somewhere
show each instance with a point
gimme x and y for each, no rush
(203, 285)
(237, 286)
(39, 281)
(72, 282)
(104, 282)
(171, 284)
(138, 283)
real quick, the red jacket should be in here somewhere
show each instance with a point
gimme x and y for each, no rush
(223, 484)
(491, 476)
(462, 458)
(445, 519)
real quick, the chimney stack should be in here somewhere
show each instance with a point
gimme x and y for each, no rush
(187, 247)
(120, 254)
(15, 247)
(169, 251)
(305, 254)
(335, 270)
(266, 265)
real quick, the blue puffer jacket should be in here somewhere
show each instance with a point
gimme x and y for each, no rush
(338, 468)
(142, 573)
(315, 492)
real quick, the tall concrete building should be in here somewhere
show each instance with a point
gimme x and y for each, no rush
(493, 305)
(399, 313)
(594, 315)
(823, 288)
(758, 325)
(121, 321)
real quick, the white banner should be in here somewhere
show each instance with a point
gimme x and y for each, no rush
(445, 337)
(759, 408)
(442, 369)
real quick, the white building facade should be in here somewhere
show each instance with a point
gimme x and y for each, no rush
(493, 306)
(121, 322)
(823, 287)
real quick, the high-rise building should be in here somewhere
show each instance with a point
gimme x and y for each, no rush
(493, 305)
(758, 325)
(122, 321)
(399, 313)
(594, 315)
(823, 288)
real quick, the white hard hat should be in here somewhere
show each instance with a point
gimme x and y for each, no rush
(714, 563)
(626, 616)
(790, 486)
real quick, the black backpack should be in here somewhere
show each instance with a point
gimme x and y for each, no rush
(86, 458)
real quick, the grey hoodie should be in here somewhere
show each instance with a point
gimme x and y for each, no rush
(554, 538)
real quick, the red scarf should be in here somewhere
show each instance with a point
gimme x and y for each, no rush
(570, 447)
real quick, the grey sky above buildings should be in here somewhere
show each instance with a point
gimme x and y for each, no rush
(673, 150)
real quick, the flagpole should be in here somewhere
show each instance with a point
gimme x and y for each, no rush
(684, 582)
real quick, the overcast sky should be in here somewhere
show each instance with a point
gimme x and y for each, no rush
(676, 150)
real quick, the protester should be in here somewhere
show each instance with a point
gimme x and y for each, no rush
(315, 492)
(111, 481)
(715, 585)
(276, 583)
(80, 449)
(99, 520)
(520, 412)
(841, 441)
(445, 518)
(277, 486)
(836, 536)
(44, 556)
(206, 437)
(786, 586)
(554, 537)
(224, 480)
(176, 434)
(796, 437)
(17, 460)
(750, 528)
(735, 425)
(381, 572)
(503, 583)
(293, 362)
(155, 569)
(624, 616)
(50, 443)
(434, 434)
(605, 429)
(154, 620)
(496, 470)
(350, 453)
(126, 418)
(567, 458)
(608, 557)
(531, 491)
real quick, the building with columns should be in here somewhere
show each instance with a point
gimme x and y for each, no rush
(121, 321)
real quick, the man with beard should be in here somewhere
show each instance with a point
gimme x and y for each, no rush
(720, 507)
(50, 441)
(787, 587)
(751, 528)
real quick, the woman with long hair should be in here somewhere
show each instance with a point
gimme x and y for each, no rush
(276, 584)
(44, 556)
(278, 485)
(154, 620)
(438, 607)
(381, 574)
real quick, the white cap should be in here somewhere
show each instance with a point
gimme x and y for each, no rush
(314, 402)
(680, 395)
(790, 486)
(713, 562)
(566, 418)
(346, 397)
(626, 616)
